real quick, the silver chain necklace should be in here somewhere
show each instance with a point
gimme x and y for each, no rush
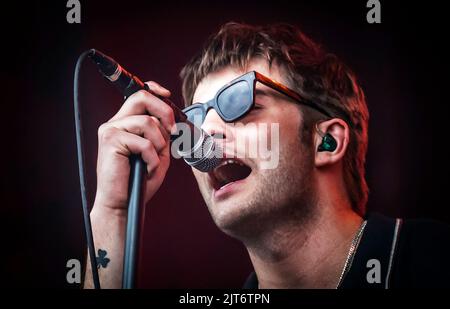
(351, 252)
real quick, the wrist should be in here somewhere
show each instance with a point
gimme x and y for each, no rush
(104, 206)
(100, 210)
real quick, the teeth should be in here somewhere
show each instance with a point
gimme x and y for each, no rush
(231, 161)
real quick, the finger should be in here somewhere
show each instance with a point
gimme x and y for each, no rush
(158, 89)
(143, 102)
(162, 130)
(143, 125)
(127, 143)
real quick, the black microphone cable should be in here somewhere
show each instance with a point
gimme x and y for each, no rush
(80, 154)
(203, 154)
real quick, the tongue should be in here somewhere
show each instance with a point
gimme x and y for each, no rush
(231, 172)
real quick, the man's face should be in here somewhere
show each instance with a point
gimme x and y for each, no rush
(244, 199)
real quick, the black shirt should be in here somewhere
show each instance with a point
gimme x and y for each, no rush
(395, 253)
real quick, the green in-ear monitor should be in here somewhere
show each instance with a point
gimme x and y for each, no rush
(328, 143)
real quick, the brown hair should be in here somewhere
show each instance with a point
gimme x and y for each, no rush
(315, 74)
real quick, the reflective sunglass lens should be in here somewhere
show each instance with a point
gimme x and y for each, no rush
(235, 100)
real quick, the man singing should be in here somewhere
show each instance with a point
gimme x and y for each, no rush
(303, 220)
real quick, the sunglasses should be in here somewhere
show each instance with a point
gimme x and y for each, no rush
(234, 100)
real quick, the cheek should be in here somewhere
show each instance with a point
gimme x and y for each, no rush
(288, 118)
(252, 136)
(276, 131)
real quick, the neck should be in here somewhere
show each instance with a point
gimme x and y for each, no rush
(307, 255)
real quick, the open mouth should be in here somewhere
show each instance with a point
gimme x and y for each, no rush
(229, 171)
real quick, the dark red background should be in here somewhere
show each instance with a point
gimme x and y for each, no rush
(42, 219)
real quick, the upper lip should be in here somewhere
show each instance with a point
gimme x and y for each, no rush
(212, 180)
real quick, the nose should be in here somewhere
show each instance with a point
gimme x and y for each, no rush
(214, 125)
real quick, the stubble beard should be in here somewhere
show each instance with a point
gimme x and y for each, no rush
(281, 203)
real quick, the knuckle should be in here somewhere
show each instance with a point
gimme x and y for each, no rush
(147, 146)
(106, 133)
(157, 161)
(138, 98)
(167, 112)
(142, 95)
(159, 145)
(154, 162)
(101, 129)
(155, 120)
(147, 121)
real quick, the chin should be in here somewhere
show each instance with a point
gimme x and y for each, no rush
(227, 212)
(236, 216)
(228, 189)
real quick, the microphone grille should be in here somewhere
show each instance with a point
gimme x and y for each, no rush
(206, 157)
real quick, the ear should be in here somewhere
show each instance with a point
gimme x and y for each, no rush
(339, 130)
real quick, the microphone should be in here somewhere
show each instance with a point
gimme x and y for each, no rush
(203, 153)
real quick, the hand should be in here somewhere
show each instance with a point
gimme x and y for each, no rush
(133, 131)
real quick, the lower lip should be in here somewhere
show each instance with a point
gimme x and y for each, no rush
(228, 189)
